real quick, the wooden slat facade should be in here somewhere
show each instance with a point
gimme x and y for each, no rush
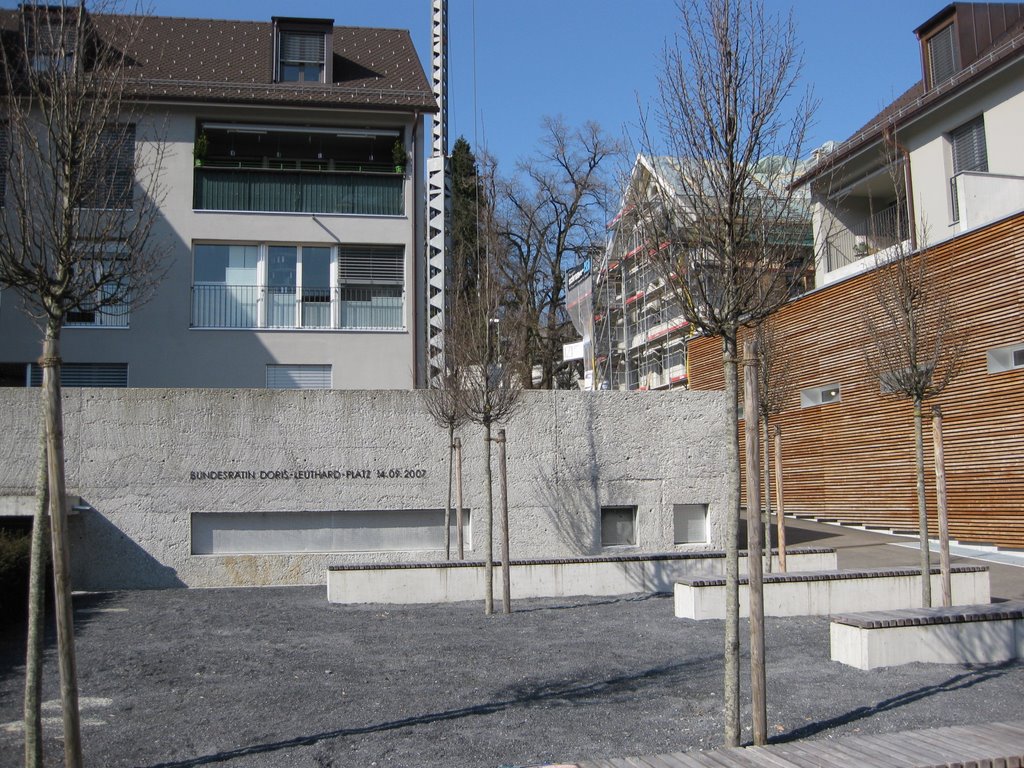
(854, 460)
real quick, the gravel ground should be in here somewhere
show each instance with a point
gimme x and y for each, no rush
(278, 677)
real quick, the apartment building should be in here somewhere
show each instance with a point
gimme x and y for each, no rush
(937, 175)
(292, 209)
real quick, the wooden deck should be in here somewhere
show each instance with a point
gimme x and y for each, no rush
(996, 745)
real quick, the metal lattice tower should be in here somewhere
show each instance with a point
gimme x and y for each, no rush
(439, 197)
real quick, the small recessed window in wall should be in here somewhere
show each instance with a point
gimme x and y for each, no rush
(1006, 358)
(378, 530)
(298, 377)
(690, 523)
(813, 396)
(618, 526)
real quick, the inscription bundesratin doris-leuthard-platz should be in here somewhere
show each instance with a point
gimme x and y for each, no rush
(389, 473)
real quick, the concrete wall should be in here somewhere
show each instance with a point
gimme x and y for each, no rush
(159, 346)
(131, 455)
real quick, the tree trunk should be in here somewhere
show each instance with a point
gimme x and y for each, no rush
(448, 503)
(940, 495)
(36, 616)
(458, 498)
(61, 560)
(489, 525)
(732, 557)
(767, 462)
(780, 507)
(506, 563)
(755, 583)
(922, 511)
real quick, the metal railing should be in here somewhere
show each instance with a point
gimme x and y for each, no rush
(373, 307)
(299, 191)
(883, 230)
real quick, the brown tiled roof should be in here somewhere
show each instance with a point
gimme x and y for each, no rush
(184, 59)
(1008, 46)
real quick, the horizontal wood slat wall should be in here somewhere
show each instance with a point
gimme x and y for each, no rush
(854, 460)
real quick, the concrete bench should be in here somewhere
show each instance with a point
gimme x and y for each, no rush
(827, 592)
(452, 581)
(971, 634)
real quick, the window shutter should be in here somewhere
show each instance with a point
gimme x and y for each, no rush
(941, 56)
(970, 152)
(298, 377)
(305, 47)
(85, 375)
(368, 264)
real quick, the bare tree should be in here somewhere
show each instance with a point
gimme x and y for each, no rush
(76, 234)
(732, 125)
(444, 402)
(914, 350)
(487, 353)
(552, 216)
(774, 388)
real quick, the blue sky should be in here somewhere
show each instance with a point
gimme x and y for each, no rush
(593, 59)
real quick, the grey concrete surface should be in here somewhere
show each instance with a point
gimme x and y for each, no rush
(304, 467)
(280, 678)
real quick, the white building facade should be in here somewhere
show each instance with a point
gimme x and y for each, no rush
(941, 160)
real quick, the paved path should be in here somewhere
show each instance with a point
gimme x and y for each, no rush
(856, 548)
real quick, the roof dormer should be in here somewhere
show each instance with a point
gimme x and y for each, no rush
(955, 37)
(303, 50)
(52, 36)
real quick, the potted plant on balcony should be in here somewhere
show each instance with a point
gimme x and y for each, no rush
(399, 156)
(199, 149)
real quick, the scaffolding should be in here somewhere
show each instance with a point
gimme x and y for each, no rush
(640, 332)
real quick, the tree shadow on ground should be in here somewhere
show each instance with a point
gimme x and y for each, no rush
(975, 674)
(607, 601)
(563, 693)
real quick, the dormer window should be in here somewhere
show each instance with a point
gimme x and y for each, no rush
(941, 57)
(51, 36)
(303, 50)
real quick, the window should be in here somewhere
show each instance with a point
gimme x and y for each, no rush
(298, 377)
(102, 277)
(226, 292)
(618, 526)
(371, 279)
(51, 36)
(820, 395)
(941, 56)
(690, 523)
(970, 153)
(377, 530)
(109, 170)
(84, 375)
(298, 286)
(301, 56)
(1006, 358)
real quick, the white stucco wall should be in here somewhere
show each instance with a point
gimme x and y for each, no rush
(1001, 100)
(159, 346)
(131, 455)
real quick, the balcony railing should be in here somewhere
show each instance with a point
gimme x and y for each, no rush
(299, 191)
(374, 307)
(875, 233)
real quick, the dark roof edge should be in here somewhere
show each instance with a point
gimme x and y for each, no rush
(936, 18)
